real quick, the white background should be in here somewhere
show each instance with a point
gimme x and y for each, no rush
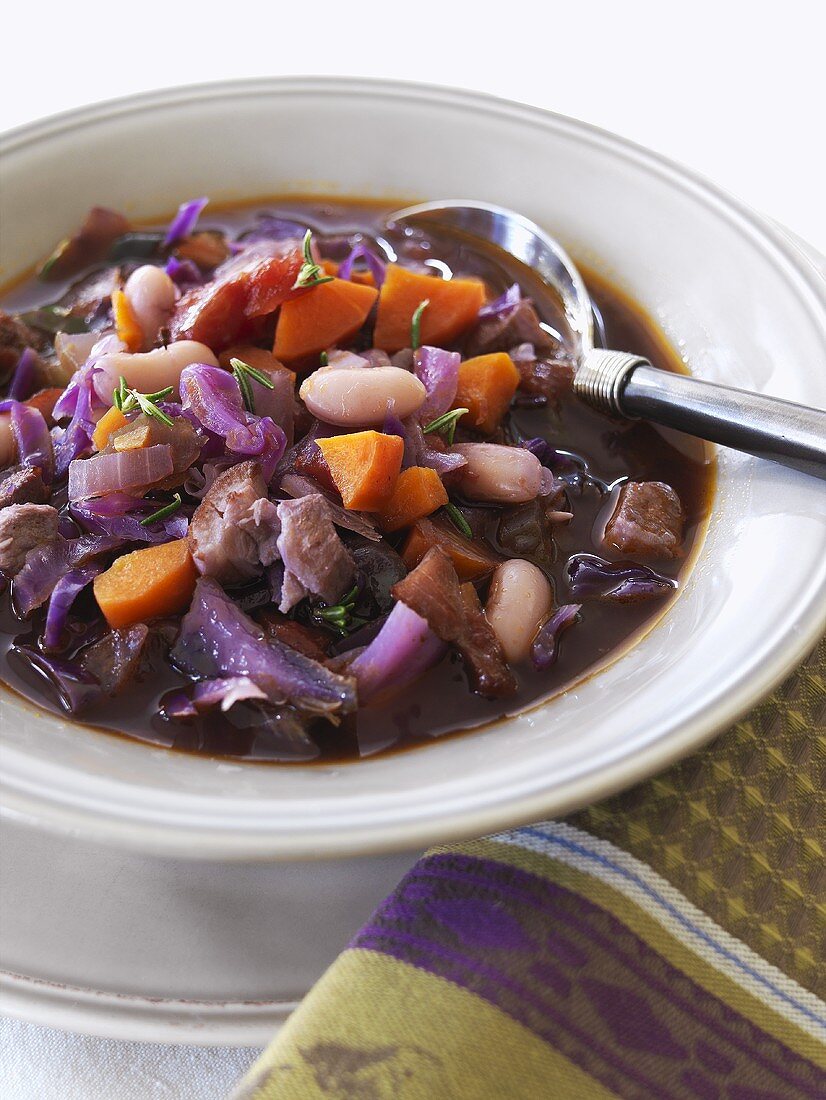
(734, 90)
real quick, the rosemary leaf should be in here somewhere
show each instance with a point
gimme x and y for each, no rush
(163, 513)
(458, 520)
(445, 424)
(416, 324)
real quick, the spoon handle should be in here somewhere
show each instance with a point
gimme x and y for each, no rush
(627, 385)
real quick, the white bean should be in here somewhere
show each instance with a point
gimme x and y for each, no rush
(152, 295)
(8, 444)
(519, 601)
(358, 398)
(505, 475)
(149, 371)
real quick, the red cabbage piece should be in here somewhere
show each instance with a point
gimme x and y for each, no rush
(375, 264)
(212, 395)
(592, 578)
(501, 306)
(24, 380)
(206, 695)
(438, 371)
(80, 402)
(75, 688)
(218, 639)
(404, 648)
(120, 515)
(184, 221)
(31, 434)
(184, 273)
(45, 565)
(268, 227)
(65, 592)
(417, 451)
(545, 646)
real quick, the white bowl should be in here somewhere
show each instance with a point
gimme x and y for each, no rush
(739, 300)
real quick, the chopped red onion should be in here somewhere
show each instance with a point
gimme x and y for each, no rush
(184, 221)
(64, 594)
(404, 648)
(545, 646)
(374, 263)
(438, 371)
(112, 473)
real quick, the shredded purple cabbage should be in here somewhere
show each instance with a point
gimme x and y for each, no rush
(45, 565)
(375, 264)
(502, 306)
(404, 648)
(438, 371)
(417, 452)
(206, 695)
(545, 646)
(218, 639)
(65, 592)
(213, 397)
(120, 515)
(76, 689)
(79, 401)
(592, 578)
(31, 434)
(184, 221)
(184, 273)
(24, 380)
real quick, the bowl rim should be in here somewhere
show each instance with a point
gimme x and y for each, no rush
(692, 732)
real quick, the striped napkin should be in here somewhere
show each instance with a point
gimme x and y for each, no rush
(667, 943)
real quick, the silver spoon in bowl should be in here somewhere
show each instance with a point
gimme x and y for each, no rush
(628, 385)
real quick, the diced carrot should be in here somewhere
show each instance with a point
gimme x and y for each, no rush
(326, 315)
(471, 560)
(364, 278)
(44, 401)
(453, 307)
(126, 323)
(486, 388)
(364, 466)
(418, 492)
(145, 584)
(111, 420)
(329, 267)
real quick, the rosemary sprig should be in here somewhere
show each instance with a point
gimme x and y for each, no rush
(340, 616)
(163, 513)
(242, 372)
(125, 399)
(311, 273)
(416, 324)
(458, 520)
(445, 424)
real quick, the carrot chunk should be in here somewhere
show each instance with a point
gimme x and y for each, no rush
(126, 323)
(326, 315)
(471, 560)
(453, 307)
(418, 492)
(147, 583)
(364, 466)
(111, 420)
(486, 388)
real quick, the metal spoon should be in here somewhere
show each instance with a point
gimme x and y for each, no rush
(628, 385)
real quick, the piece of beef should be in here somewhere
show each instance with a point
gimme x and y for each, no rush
(91, 244)
(519, 325)
(550, 378)
(15, 337)
(454, 614)
(115, 660)
(22, 485)
(90, 296)
(311, 641)
(647, 521)
(223, 545)
(316, 561)
(22, 528)
(207, 248)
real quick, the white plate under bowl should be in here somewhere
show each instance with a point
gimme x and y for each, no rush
(738, 298)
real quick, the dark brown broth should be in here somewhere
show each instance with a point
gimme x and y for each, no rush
(440, 703)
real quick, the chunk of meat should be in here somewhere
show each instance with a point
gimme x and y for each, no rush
(647, 521)
(22, 485)
(91, 244)
(22, 528)
(316, 561)
(146, 431)
(116, 660)
(455, 615)
(220, 312)
(504, 331)
(546, 377)
(15, 337)
(223, 545)
(87, 297)
(311, 641)
(206, 248)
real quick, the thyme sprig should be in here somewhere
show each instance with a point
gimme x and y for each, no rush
(311, 273)
(126, 399)
(416, 324)
(445, 424)
(340, 616)
(163, 513)
(242, 373)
